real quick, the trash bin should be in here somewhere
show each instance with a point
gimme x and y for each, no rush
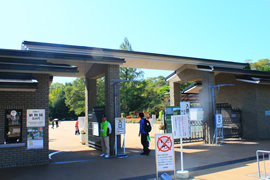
(83, 138)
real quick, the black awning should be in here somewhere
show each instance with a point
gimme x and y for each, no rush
(17, 82)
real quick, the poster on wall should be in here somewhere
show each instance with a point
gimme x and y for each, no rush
(35, 137)
(35, 117)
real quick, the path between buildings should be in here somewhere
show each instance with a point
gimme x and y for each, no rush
(71, 160)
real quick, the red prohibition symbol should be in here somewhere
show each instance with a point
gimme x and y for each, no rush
(164, 143)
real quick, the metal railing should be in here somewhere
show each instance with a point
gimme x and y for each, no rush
(262, 156)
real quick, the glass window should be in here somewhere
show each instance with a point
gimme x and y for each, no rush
(13, 130)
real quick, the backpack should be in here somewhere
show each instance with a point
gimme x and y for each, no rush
(147, 126)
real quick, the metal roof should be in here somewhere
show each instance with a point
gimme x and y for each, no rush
(133, 59)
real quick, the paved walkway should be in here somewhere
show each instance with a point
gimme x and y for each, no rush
(71, 160)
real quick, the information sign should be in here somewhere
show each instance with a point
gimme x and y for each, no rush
(95, 129)
(219, 123)
(165, 160)
(120, 126)
(81, 121)
(35, 138)
(35, 117)
(180, 126)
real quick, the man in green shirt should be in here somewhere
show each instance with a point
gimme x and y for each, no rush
(105, 131)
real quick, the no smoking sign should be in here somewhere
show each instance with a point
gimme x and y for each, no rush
(164, 143)
(164, 152)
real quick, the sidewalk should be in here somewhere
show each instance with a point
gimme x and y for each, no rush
(233, 160)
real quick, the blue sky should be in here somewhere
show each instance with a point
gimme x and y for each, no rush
(230, 30)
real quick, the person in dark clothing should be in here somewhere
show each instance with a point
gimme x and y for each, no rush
(143, 135)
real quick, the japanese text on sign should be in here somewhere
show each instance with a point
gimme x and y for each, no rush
(35, 117)
(120, 126)
(164, 152)
(180, 126)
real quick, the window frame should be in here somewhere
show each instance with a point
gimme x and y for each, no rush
(8, 126)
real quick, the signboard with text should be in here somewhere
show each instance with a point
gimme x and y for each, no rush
(165, 160)
(95, 129)
(81, 121)
(219, 123)
(35, 117)
(180, 126)
(120, 126)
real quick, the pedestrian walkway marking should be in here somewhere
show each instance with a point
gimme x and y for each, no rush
(90, 160)
(51, 154)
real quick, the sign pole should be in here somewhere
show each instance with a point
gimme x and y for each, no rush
(115, 145)
(182, 161)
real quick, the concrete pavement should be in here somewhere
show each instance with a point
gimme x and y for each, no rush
(71, 160)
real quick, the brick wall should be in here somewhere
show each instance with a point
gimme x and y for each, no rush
(252, 99)
(21, 156)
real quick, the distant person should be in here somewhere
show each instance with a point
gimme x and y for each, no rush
(56, 122)
(53, 123)
(143, 135)
(77, 131)
(105, 131)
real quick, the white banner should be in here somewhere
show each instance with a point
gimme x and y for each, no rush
(35, 117)
(165, 160)
(120, 126)
(180, 126)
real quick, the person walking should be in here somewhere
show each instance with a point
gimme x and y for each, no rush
(106, 130)
(53, 123)
(77, 130)
(143, 135)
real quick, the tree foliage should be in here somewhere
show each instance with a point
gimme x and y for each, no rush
(101, 92)
(54, 91)
(260, 65)
(75, 96)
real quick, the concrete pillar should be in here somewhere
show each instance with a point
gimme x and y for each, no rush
(175, 94)
(90, 99)
(112, 72)
(208, 79)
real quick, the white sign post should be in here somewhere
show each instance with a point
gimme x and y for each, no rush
(165, 160)
(219, 124)
(120, 128)
(181, 129)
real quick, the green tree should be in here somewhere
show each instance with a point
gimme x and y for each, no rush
(130, 92)
(261, 65)
(54, 91)
(101, 92)
(59, 109)
(75, 96)
(155, 94)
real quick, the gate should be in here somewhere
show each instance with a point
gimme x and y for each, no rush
(231, 120)
(196, 126)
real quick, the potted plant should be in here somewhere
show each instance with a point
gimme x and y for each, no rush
(83, 137)
(161, 128)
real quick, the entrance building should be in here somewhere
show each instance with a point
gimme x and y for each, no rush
(26, 75)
